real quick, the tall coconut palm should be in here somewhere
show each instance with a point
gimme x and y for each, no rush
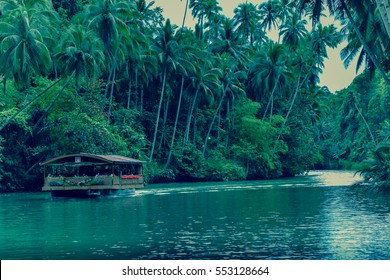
(80, 52)
(80, 57)
(268, 73)
(145, 10)
(205, 83)
(270, 14)
(371, 27)
(23, 50)
(230, 41)
(322, 37)
(293, 30)
(108, 18)
(204, 10)
(188, 52)
(231, 83)
(246, 19)
(166, 47)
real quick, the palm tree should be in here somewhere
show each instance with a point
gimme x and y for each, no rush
(322, 37)
(270, 14)
(342, 8)
(293, 30)
(230, 42)
(24, 51)
(371, 27)
(145, 10)
(246, 19)
(268, 73)
(204, 9)
(187, 53)
(80, 57)
(166, 46)
(80, 52)
(109, 19)
(376, 170)
(205, 82)
(231, 83)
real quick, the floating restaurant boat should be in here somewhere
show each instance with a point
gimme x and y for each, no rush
(86, 175)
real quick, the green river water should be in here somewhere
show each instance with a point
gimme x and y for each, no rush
(316, 216)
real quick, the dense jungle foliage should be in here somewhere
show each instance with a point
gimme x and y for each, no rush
(221, 101)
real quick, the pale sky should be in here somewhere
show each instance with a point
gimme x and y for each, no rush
(335, 76)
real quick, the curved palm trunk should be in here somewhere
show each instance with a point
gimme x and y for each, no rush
(212, 122)
(363, 42)
(175, 125)
(112, 91)
(299, 85)
(365, 122)
(53, 102)
(166, 108)
(26, 105)
(4, 86)
(271, 100)
(107, 85)
(189, 119)
(294, 97)
(129, 94)
(185, 14)
(158, 114)
(142, 100)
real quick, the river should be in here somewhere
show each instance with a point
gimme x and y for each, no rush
(316, 216)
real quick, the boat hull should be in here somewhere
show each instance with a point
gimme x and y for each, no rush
(91, 193)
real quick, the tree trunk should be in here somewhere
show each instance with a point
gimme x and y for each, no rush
(299, 85)
(166, 108)
(107, 85)
(175, 125)
(158, 114)
(188, 126)
(271, 100)
(365, 122)
(294, 96)
(363, 42)
(212, 122)
(52, 103)
(112, 92)
(136, 87)
(227, 144)
(142, 100)
(26, 105)
(185, 14)
(4, 86)
(129, 94)
(219, 126)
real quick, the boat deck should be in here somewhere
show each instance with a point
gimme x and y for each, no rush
(93, 183)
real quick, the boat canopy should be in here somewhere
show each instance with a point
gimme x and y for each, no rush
(91, 158)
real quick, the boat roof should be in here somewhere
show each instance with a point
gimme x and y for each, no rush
(84, 157)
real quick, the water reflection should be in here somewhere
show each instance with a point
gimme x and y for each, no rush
(307, 217)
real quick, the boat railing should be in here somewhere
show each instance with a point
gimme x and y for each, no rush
(100, 180)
